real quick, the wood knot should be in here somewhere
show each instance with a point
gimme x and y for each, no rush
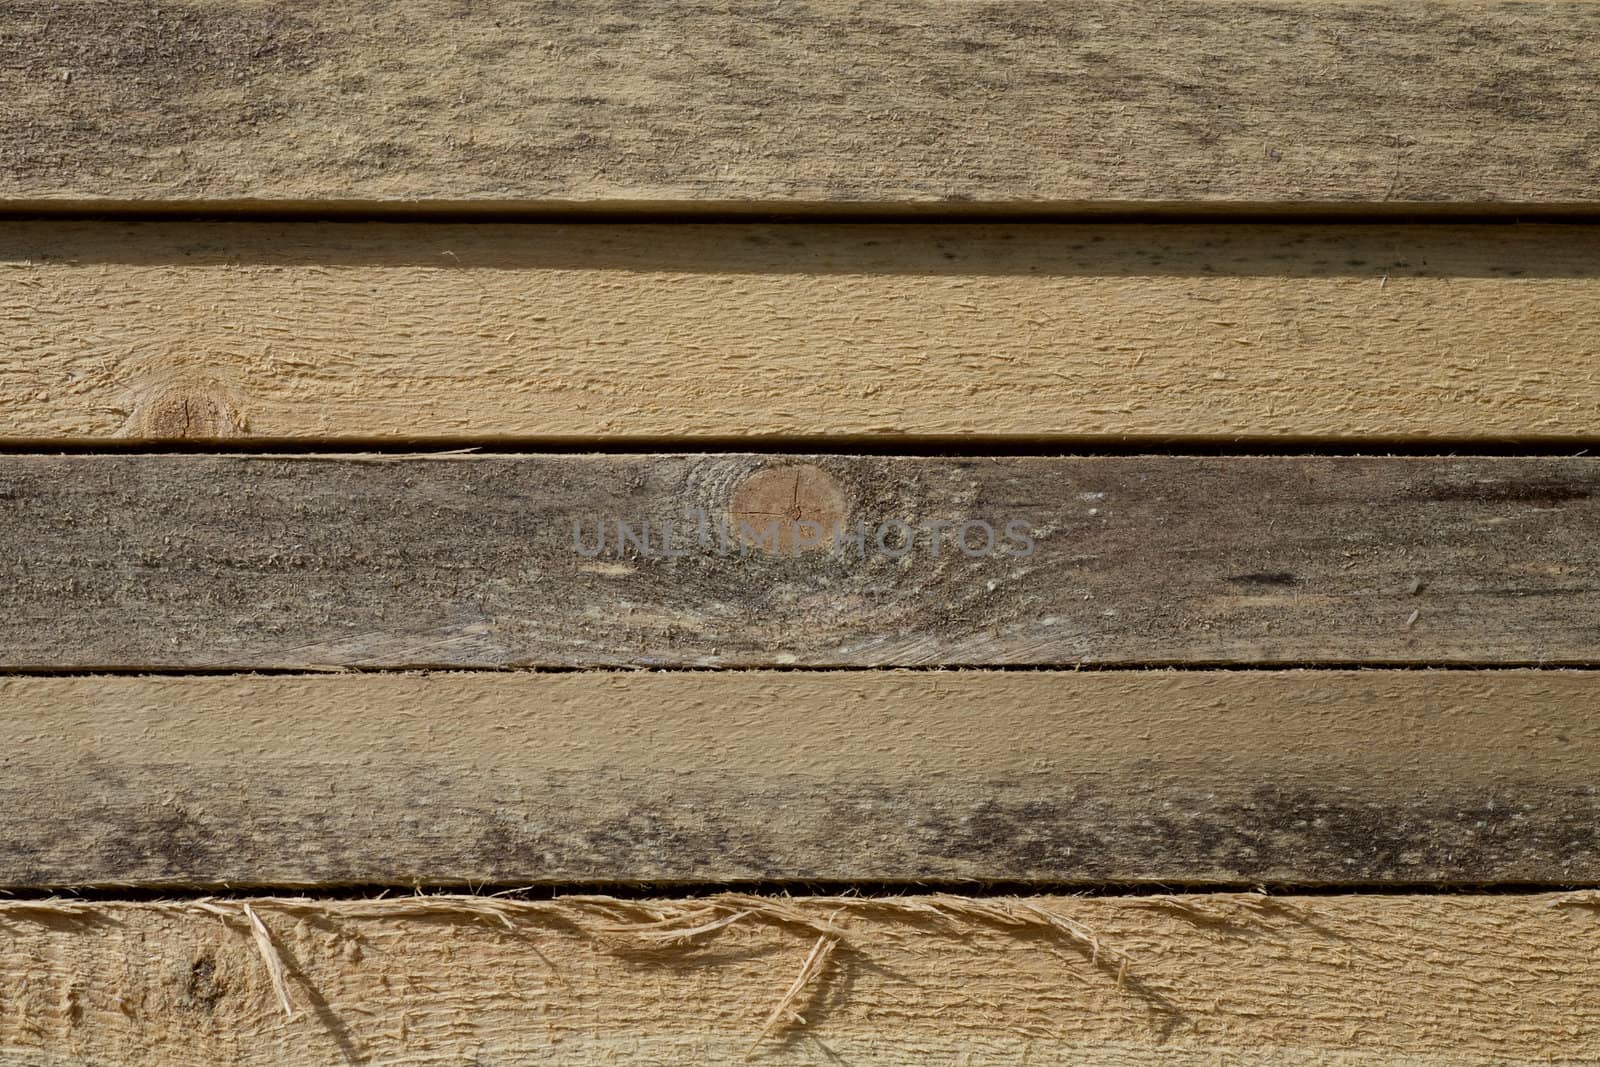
(186, 412)
(787, 510)
(202, 987)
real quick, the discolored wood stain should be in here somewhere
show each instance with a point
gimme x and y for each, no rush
(583, 777)
(1076, 102)
(84, 91)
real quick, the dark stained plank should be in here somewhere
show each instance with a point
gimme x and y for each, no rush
(1166, 777)
(184, 561)
(1070, 102)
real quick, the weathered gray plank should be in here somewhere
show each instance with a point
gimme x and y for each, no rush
(1171, 777)
(1077, 102)
(470, 561)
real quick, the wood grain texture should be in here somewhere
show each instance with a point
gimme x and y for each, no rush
(215, 561)
(549, 332)
(519, 779)
(1086, 101)
(1347, 981)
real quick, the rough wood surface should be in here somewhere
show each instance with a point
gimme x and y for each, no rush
(185, 331)
(216, 561)
(1336, 981)
(1093, 777)
(1083, 101)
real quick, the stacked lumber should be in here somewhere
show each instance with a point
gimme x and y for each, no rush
(991, 532)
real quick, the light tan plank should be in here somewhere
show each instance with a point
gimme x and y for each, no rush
(1084, 101)
(1165, 777)
(1362, 981)
(565, 333)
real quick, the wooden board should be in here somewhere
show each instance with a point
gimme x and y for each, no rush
(1064, 103)
(185, 561)
(647, 333)
(1356, 981)
(1090, 777)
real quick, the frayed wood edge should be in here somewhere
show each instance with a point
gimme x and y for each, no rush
(672, 924)
(651, 924)
(362, 457)
(269, 956)
(265, 948)
(783, 1012)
